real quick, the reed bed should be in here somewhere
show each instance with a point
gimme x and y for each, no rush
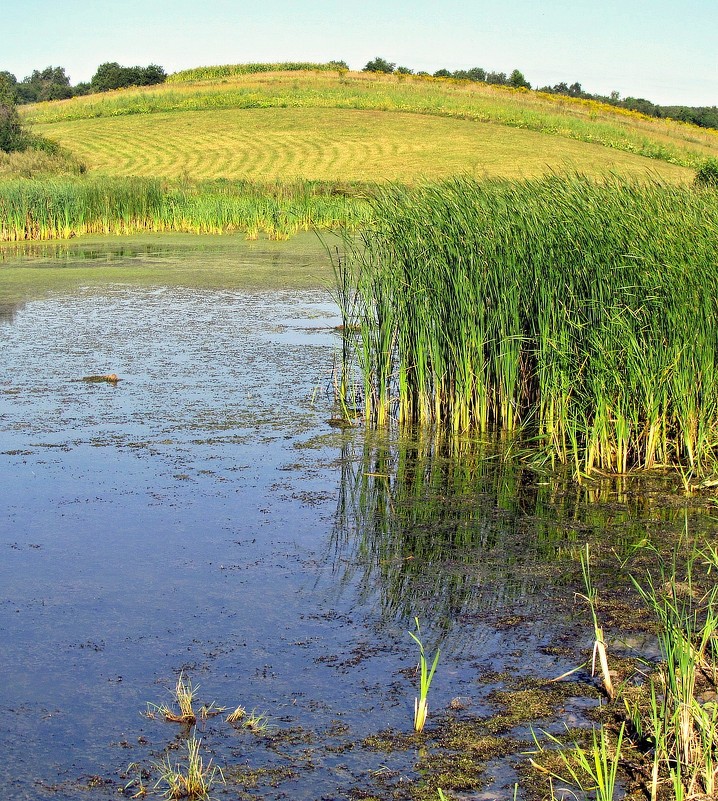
(581, 313)
(65, 207)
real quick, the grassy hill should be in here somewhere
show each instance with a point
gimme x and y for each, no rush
(233, 149)
(360, 127)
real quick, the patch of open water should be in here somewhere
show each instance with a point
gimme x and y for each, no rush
(201, 515)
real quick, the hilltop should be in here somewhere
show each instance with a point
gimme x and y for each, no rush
(336, 125)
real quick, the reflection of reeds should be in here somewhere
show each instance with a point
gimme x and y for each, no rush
(439, 525)
(582, 311)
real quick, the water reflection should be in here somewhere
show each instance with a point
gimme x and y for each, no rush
(442, 527)
(8, 312)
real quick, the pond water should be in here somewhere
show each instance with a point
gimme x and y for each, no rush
(204, 515)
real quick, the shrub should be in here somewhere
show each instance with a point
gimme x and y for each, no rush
(380, 65)
(707, 174)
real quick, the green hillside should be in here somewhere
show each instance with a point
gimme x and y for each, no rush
(360, 127)
(275, 152)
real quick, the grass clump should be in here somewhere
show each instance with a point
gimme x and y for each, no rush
(184, 695)
(193, 779)
(580, 313)
(707, 174)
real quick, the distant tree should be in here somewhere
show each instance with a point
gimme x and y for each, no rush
(476, 74)
(498, 78)
(518, 81)
(442, 74)
(52, 83)
(8, 87)
(81, 89)
(11, 133)
(404, 71)
(111, 75)
(641, 105)
(379, 65)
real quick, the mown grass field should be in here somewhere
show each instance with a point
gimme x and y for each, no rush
(357, 126)
(330, 145)
(279, 152)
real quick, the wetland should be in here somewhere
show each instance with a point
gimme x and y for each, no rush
(204, 518)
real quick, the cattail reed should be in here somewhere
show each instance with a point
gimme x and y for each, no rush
(583, 313)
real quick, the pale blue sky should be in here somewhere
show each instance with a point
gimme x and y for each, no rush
(663, 51)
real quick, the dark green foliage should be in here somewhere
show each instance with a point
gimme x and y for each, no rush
(574, 90)
(518, 80)
(380, 65)
(707, 174)
(641, 105)
(112, 75)
(50, 83)
(11, 135)
(442, 74)
(498, 78)
(404, 71)
(8, 88)
(703, 116)
(82, 89)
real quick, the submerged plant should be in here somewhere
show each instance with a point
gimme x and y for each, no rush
(421, 704)
(192, 780)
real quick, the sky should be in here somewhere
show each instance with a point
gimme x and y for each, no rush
(662, 51)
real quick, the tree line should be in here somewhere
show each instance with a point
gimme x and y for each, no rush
(703, 116)
(53, 83)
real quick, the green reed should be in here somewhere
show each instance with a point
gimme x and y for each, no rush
(681, 725)
(583, 313)
(66, 207)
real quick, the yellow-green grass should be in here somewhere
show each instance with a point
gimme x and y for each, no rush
(330, 144)
(567, 119)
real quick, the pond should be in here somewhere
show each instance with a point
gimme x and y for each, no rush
(205, 516)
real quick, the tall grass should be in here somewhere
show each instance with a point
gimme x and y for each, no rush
(582, 312)
(66, 207)
(230, 70)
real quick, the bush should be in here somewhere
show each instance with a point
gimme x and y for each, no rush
(11, 134)
(380, 65)
(111, 75)
(707, 174)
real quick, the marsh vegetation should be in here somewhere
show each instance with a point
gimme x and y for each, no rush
(577, 312)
